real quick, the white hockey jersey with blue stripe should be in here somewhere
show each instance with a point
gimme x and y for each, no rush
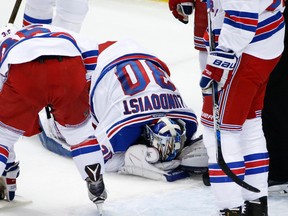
(129, 89)
(254, 27)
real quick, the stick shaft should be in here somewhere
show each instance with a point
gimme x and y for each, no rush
(14, 11)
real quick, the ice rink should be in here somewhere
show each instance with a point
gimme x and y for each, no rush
(53, 183)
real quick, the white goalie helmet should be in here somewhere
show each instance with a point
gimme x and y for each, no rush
(167, 136)
(6, 31)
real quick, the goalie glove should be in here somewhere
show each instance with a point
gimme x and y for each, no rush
(194, 157)
(8, 181)
(218, 68)
(181, 9)
(143, 161)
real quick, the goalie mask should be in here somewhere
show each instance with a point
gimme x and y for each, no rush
(167, 136)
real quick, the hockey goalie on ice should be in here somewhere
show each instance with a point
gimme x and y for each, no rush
(144, 128)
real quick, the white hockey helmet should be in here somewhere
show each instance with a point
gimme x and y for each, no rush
(167, 136)
(6, 31)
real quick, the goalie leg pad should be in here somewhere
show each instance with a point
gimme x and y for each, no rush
(194, 157)
(137, 162)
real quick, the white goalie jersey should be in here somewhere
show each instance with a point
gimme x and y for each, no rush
(129, 89)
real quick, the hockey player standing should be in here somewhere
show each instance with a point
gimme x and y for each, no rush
(41, 66)
(248, 43)
(69, 14)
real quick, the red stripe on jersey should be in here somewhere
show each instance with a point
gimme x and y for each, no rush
(270, 26)
(26, 23)
(246, 21)
(90, 60)
(4, 151)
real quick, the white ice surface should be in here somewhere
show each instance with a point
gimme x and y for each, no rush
(54, 184)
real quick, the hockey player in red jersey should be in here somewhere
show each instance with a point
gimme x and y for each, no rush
(43, 65)
(240, 63)
(246, 44)
(69, 14)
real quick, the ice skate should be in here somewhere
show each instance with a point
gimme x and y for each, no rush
(96, 188)
(256, 207)
(231, 212)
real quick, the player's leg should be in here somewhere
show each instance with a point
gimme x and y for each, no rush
(38, 12)
(71, 110)
(256, 163)
(16, 117)
(70, 14)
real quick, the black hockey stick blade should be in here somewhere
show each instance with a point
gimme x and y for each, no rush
(220, 159)
(15, 11)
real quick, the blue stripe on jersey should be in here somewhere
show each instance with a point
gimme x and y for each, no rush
(90, 59)
(33, 20)
(269, 27)
(89, 54)
(242, 20)
(90, 66)
(3, 159)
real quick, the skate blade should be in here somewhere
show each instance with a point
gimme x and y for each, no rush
(100, 208)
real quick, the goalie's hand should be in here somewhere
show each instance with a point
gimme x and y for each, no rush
(218, 68)
(181, 9)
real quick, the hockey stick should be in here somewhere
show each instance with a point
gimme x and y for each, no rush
(220, 159)
(14, 11)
